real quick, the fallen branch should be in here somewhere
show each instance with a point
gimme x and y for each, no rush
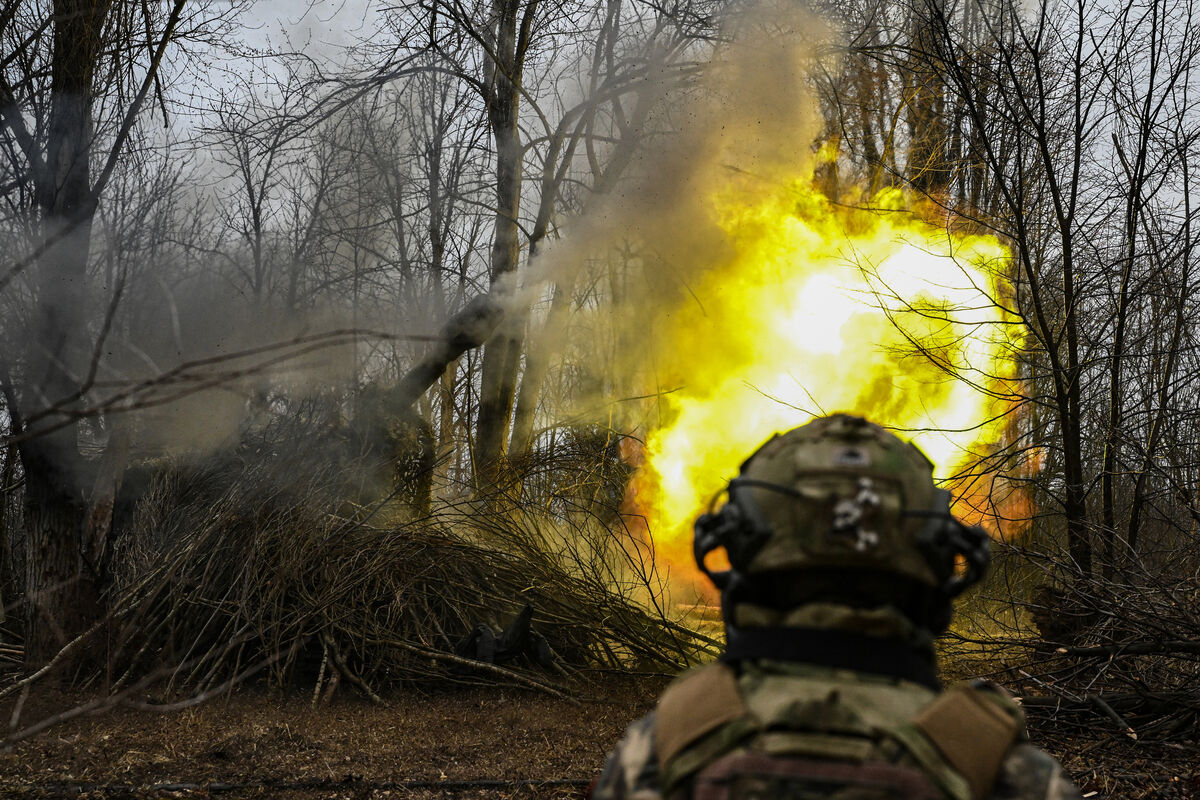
(1179, 646)
(204, 696)
(98, 704)
(58, 657)
(340, 663)
(480, 665)
(106, 702)
(1124, 726)
(1181, 698)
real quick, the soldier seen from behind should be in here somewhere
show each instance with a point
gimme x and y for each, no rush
(844, 561)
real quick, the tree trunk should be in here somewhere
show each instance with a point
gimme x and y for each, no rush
(924, 100)
(535, 372)
(9, 582)
(1079, 541)
(61, 596)
(502, 353)
(537, 358)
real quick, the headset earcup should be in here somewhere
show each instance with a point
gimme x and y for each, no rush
(974, 545)
(710, 532)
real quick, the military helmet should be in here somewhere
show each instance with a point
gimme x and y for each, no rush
(841, 496)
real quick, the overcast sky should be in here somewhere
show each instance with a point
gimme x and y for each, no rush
(307, 24)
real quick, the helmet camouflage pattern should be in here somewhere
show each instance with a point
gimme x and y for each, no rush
(852, 482)
(841, 493)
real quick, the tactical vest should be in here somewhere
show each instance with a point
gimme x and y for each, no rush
(824, 733)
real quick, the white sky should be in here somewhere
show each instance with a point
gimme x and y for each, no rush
(307, 25)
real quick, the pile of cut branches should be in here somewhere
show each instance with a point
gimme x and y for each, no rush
(1116, 654)
(239, 567)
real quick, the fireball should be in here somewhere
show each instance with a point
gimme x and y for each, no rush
(820, 307)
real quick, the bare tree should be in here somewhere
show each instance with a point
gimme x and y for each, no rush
(60, 58)
(514, 57)
(1069, 132)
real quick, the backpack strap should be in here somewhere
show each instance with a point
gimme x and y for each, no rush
(695, 705)
(974, 726)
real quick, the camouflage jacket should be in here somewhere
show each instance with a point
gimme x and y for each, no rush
(632, 771)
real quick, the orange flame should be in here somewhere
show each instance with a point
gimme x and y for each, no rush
(821, 307)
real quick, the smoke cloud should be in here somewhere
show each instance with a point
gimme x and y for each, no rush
(740, 301)
(746, 129)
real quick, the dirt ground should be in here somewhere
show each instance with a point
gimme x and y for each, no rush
(1110, 765)
(422, 744)
(350, 748)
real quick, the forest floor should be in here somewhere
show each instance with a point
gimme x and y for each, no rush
(424, 744)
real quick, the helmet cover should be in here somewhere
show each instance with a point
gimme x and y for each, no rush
(841, 494)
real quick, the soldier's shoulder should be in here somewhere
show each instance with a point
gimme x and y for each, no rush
(631, 771)
(1029, 773)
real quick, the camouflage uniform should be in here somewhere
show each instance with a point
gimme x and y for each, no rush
(844, 562)
(632, 770)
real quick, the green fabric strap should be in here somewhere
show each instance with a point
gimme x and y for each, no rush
(705, 751)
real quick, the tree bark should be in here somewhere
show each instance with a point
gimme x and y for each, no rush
(502, 353)
(924, 100)
(9, 582)
(60, 595)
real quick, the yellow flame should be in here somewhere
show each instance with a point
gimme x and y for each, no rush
(821, 307)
